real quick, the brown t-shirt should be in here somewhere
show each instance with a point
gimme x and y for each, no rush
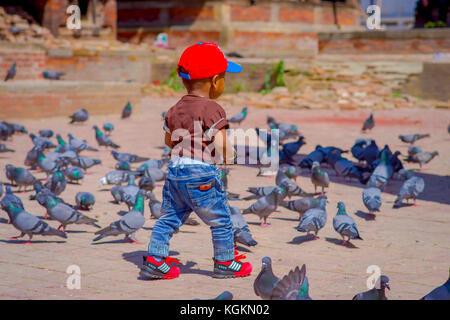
(188, 122)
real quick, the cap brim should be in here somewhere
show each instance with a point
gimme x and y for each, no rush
(234, 67)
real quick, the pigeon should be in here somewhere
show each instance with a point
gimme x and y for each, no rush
(129, 192)
(287, 131)
(166, 152)
(371, 197)
(46, 164)
(238, 118)
(79, 145)
(128, 224)
(84, 162)
(57, 182)
(1, 189)
(19, 128)
(46, 133)
(74, 174)
(382, 173)
(126, 111)
(116, 177)
(423, 157)
(108, 127)
(115, 192)
(31, 158)
(440, 293)
(62, 145)
(266, 281)
(69, 154)
(42, 142)
(318, 155)
(155, 206)
(79, 116)
(11, 72)
(65, 214)
(4, 148)
(147, 183)
(374, 293)
(345, 168)
(292, 286)
(292, 189)
(290, 149)
(22, 177)
(29, 224)
(123, 165)
(258, 192)
(128, 157)
(411, 138)
(412, 150)
(369, 123)
(152, 163)
(240, 228)
(292, 172)
(52, 75)
(155, 173)
(358, 149)
(266, 205)
(345, 225)
(410, 189)
(10, 198)
(84, 200)
(303, 204)
(314, 219)
(319, 178)
(103, 140)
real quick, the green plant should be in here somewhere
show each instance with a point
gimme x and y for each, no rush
(396, 95)
(274, 77)
(279, 74)
(174, 81)
(430, 24)
(238, 86)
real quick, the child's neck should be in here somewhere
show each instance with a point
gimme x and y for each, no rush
(202, 92)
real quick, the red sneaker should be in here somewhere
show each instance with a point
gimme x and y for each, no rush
(233, 268)
(163, 269)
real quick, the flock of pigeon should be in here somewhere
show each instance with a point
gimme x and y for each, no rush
(65, 164)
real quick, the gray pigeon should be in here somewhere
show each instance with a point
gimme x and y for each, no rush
(155, 206)
(152, 163)
(122, 165)
(46, 164)
(375, 293)
(240, 228)
(84, 162)
(303, 204)
(115, 192)
(103, 139)
(266, 205)
(292, 189)
(46, 133)
(84, 200)
(42, 142)
(238, 118)
(155, 173)
(128, 224)
(423, 157)
(440, 293)
(79, 116)
(314, 219)
(411, 138)
(79, 145)
(29, 224)
(147, 183)
(258, 192)
(126, 111)
(10, 198)
(4, 148)
(11, 72)
(292, 286)
(129, 192)
(371, 197)
(382, 173)
(22, 177)
(369, 123)
(266, 281)
(345, 225)
(57, 182)
(74, 174)
(410, 189)
(108, 127)
(31, 158)
(116, 177)
(128, 157)
(66, 215)
(319, 178)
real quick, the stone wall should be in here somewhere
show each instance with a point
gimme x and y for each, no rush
(30, 60)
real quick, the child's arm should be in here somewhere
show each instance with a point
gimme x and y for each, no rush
(168, 140)
(224, 147)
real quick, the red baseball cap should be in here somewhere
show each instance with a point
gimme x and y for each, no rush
(204, 60)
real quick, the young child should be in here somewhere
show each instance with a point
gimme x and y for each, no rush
(196, 132)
